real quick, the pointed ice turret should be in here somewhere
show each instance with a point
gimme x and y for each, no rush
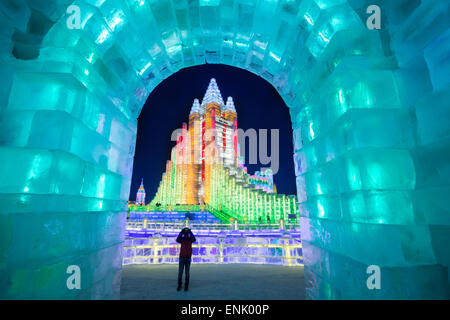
(212, 94)
(140, 195)
(196, 108)
(230, 105)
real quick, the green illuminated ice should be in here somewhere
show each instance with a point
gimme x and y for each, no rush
(369, 108)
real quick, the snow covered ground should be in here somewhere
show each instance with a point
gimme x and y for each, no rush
(214, 282)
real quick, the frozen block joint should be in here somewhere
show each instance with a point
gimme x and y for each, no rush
(369, 110)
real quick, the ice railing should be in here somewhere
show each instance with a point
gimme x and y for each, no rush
(152, 225)
(220, 250)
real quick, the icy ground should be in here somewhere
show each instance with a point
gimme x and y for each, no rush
(214, 282)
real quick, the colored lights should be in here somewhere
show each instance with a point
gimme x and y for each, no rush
(382, 145)
(217, 176)
(216, 249)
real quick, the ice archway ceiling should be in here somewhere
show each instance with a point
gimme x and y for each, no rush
(369, 110)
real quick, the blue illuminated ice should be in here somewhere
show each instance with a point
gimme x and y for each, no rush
(369, 112)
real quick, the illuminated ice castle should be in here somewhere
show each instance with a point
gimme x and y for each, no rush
(205, 168)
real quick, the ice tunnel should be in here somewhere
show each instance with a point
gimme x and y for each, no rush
(369, 108)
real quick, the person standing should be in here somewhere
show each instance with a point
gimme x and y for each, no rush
(186, 238)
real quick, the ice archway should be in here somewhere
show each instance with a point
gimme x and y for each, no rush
(369, 110)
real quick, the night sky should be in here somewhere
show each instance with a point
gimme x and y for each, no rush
(257, 103)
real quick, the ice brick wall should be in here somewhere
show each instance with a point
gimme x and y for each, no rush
(369, 110)
(67, 140)
(371, 151)
(263, 250)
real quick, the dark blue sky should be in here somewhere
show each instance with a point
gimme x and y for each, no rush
(258, 106)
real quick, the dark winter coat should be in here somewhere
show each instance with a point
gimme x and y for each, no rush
(186, 239)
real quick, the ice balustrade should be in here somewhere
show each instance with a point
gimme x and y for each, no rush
(152, 225)
(221, 250)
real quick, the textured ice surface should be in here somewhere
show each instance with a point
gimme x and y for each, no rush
(369, 111)
(284, 251)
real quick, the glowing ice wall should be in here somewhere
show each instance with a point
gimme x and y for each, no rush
(371, 153)
(369, 110)
(222, 250)
(232, 195)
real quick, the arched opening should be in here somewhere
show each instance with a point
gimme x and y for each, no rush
(249, 225)
(368, 104)
(169, 106)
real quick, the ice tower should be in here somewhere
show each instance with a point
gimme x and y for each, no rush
(205, 168)
(369, 111)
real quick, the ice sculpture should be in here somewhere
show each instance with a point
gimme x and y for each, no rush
(369, 110)
(205, 168)
(215, 249)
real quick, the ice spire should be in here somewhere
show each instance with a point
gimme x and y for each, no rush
(196, 108)
(213, 94)
(230, 105)
(140, 195)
